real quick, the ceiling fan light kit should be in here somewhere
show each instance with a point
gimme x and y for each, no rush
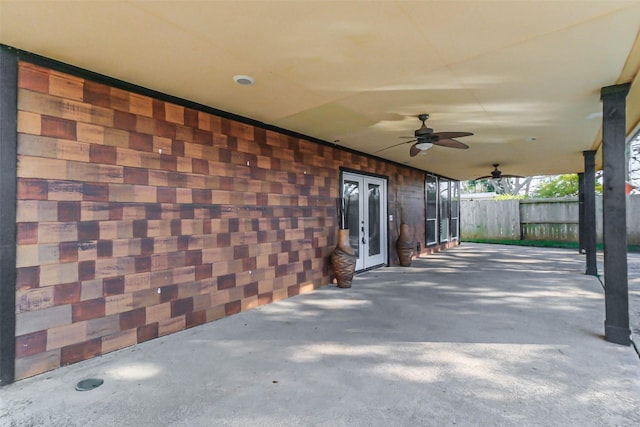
(423, 146)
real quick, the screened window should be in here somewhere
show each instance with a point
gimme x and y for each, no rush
(445, 211)
(431, 195)
(455, 210)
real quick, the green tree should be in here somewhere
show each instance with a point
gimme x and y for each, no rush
(477, 186)
(508, 186)
(561, 186)
(513, 186)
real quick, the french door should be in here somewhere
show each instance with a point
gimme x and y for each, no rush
(367, 217)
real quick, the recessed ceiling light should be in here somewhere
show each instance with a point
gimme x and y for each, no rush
(244, 80)
(531, 139)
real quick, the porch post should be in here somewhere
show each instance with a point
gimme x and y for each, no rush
(8, 165)
(616, 323)
(589, 215)
(581, 225)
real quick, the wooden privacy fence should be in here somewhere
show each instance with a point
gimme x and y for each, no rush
(536, 219)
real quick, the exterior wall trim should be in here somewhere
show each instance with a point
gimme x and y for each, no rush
(8, 167)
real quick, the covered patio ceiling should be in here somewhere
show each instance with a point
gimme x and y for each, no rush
(523, 76)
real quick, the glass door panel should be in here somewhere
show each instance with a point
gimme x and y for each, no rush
(351, 192)
(374, 220)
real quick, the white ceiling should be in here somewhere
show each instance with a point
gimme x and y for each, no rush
(359, 72)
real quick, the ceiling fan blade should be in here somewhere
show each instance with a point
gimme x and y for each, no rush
(483, 177)
(451, 143)
(450, 135)
(394, 145)
(414, 151)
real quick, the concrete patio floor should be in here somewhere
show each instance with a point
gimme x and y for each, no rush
(478, 335)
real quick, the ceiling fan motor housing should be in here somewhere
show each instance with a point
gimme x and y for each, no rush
(423, 132)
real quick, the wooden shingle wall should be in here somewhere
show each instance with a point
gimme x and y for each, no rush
(137, 218)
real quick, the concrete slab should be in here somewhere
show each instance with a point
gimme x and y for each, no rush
(478, 335)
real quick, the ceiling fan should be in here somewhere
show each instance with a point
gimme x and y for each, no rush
(425, 138)
(497, 174)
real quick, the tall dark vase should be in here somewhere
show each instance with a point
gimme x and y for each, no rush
(404, 246)
(343, 260)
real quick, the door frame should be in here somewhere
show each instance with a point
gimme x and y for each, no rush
(362, 264)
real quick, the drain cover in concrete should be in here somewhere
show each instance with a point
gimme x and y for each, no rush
(89, 384)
